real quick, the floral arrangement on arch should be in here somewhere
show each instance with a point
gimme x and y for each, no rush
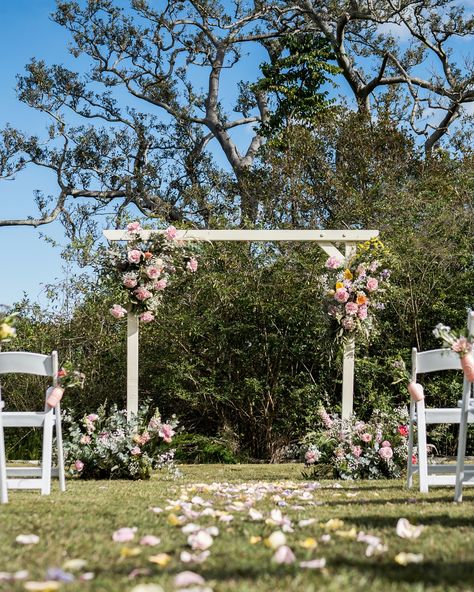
(353, 449)
(356, 287)
(145, 269)
(459, 343)
(107, 445)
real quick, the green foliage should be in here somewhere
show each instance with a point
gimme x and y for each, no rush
(196, 448)
(296, 77)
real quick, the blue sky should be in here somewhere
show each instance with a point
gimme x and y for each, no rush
(27, 261)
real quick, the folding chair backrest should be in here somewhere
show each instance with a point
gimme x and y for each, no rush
(28, 363)
(434, 360)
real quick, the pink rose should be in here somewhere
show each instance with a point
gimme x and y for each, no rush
(146, 317)
(78, 465)
(142, 293)
(461, 346)
(334, 262)
(192, 265)
(134, 227)
(348, 323)
(160, 284)
(386, 444)
(134, 256)
(153, 272)
(92, 417)
(366, 437)
(135, 451)
(386, 452)
(372, 284)
(351, 308)
(85, 439)
(170, 232)
(341, 295)
(130, 281)
(356, 451)
(118, 311)
(310, 457)
(166, 432)
(362, 313)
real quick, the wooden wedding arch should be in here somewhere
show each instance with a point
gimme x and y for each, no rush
(326, 239)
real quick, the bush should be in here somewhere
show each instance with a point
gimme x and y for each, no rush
(199, 449)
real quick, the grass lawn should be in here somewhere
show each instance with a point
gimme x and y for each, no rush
(79, 524)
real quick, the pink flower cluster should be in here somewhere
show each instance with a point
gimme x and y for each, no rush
(354, 289)
(145, 270)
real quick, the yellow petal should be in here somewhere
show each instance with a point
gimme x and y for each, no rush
(309, 543)
(332, 524)
(253, 540)
(348, 274)
(347, 534)
(130, 552)
(48, 586)
(174, 520)
(162, 559)
(339, 285)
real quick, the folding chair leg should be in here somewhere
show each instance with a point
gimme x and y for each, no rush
(47, 454)
(461, 457)
(422, 448)
(410, 447)
(59, 443)
(3, 467)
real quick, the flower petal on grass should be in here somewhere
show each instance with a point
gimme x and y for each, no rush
(6, 576)
(126, 552)
(309, 543)
(48, 586)
(59, 575)
(275, 540)
(74, 564)
(406, 558)
(313, 564)
(188, 578)
(284, 555)
(162, 559)
(200, 541)
(149, 540)
(87, 576)
(405, 530)
(253, 540)
(147, 588)
(187, 557)
(27, 539)
(124, 535)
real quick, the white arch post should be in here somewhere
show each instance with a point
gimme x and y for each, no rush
(326, 239)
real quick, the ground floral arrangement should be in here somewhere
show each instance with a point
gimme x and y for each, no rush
(356, 288)
(107, 445)
(145, 269)
(353, 449)
(278, 521)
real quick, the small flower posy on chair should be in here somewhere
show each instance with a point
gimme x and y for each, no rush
(68, 377)
(146, 268)
(460, 344)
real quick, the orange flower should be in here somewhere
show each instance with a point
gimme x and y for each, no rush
(361, 299)
(148, 255)
(348, 274)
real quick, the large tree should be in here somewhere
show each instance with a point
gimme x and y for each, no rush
(158, 88)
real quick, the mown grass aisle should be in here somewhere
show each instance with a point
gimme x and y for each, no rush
(352, 528)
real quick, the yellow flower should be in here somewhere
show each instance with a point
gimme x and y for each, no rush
(348, 274)
(339, 285)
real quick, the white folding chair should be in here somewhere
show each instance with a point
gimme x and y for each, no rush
(34, 477)
(431, 474)
(3, 462)
(465, 473)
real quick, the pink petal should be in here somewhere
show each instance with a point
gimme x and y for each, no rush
(188, 578)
